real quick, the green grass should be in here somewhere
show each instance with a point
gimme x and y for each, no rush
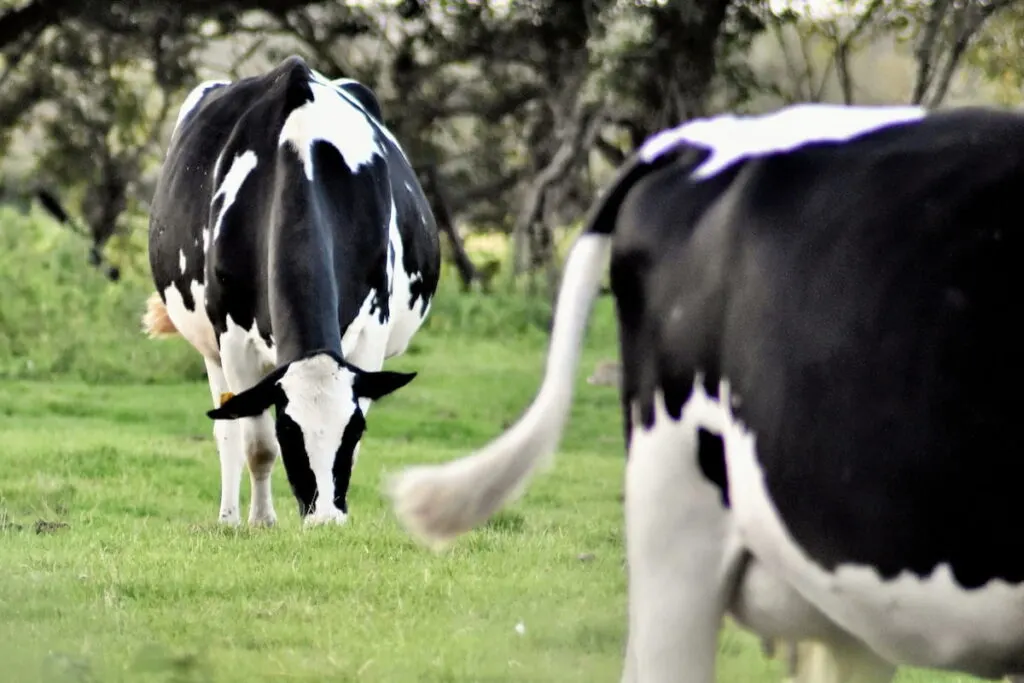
(112, 568)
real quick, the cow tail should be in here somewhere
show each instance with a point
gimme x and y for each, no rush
(436, 503)
(155, 321)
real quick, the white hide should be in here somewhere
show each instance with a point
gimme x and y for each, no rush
(194, 326)
(687, 562)
(680, 547)
(334, 120)
(337, 84)
(245, 359)
(241, 167)
(732, 138)
(930, 622)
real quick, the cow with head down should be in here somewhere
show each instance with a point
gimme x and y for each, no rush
(291, 245)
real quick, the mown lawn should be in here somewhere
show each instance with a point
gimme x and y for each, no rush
(112, 568)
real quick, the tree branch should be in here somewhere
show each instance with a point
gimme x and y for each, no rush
(442, 213)
(584, 128)
(925, 49)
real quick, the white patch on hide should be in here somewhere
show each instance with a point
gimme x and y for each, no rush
(195, 325)
(732, 138)
(333, 118)
(242, 165)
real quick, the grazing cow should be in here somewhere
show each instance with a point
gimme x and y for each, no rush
(292, 246)
(819, 388)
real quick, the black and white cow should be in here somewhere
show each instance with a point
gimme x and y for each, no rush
(820, 390)
(292, 246)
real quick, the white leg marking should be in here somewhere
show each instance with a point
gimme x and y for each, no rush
(228, 435)
(677, 541)
(261, 451)
(246, 360)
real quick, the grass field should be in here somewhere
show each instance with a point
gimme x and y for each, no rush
(114, 570)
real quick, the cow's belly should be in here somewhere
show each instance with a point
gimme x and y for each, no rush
(406, 316)
(930, 622)
(405, 323)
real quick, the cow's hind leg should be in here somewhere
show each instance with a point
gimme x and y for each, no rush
(680, 563)
(228, 435)
(258, 438)
(261, 451)
(840, 662)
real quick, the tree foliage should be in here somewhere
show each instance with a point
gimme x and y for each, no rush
(513, 112)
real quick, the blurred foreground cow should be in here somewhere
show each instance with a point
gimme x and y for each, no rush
(821, 388)
(291, 245)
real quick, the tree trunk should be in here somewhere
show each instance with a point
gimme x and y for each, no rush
(439, 204)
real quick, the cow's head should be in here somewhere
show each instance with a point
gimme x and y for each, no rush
(320, 401)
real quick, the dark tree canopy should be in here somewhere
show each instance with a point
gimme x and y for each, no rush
(513, 112)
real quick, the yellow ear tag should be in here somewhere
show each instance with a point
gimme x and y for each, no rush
(227, 395)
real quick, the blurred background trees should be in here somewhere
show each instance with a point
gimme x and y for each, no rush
(514, 112)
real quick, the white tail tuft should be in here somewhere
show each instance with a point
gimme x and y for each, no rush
(436, 503)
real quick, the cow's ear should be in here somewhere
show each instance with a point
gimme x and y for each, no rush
(251, 402)
(375, 385)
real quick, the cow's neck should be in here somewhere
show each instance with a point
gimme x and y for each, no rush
(304, 294)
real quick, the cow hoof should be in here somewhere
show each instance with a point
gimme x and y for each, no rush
(324, 518)
(263, 519)
(229, 518)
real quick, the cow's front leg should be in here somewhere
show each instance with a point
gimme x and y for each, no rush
(228, 435)
(676, 545)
